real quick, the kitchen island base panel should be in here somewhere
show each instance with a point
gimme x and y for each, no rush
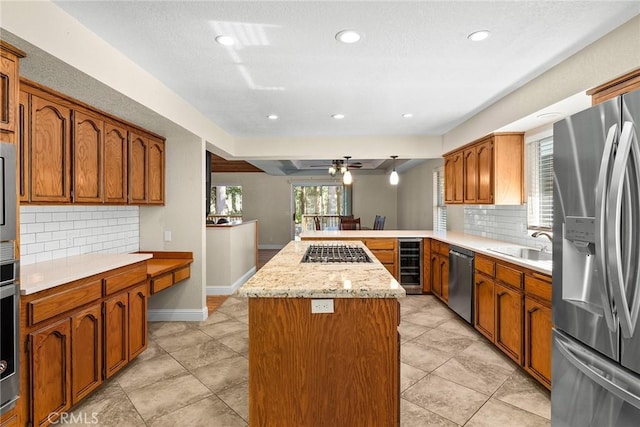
(338, 369)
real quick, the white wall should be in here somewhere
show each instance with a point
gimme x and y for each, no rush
(267, 198)
(415, 196)
(183, 215)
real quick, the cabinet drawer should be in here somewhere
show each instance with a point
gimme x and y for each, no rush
(388, 244)
(485, 265)
(538, 287)
(48, 307)
(385, 257)
(182, 274)
(435, 246)
(161, 283)
(113, 284)
(509, 276)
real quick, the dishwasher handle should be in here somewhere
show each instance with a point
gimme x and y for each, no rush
(460, 252)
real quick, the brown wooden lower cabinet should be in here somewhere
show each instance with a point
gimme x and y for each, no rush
(137, 322)
(9, 419)
(509, 321)
(484, 305)
(537, 337)
(440, 275)
(50, 362)
(338, 369)
(86, 352)
(516, 320)
(116, 333)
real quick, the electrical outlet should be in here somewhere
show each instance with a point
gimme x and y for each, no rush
(321, 306)
(167, 235)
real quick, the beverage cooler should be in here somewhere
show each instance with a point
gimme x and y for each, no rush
(410, 271)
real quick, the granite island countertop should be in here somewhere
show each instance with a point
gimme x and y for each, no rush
(284, 276)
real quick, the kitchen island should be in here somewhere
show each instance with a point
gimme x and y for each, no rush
(337, 367)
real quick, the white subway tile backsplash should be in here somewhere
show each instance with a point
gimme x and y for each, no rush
(505, 223)
(50, 232)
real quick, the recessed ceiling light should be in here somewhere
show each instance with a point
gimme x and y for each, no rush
(407, 115)
(225, 40)
(338, 116)
(548, 115)
(348, 36)
(479, 35)
(272, 117)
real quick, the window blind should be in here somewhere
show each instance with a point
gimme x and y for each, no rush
(540, 184)
(439, 208)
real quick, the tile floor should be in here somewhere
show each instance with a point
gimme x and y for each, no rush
(195, 374)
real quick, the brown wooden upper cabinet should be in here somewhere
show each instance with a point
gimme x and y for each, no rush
(50, 151)
(623, 84)
(71, 153)
(146, 169)
(487, 171)
(9, 88)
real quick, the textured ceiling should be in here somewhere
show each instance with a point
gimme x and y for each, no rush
(414, 57)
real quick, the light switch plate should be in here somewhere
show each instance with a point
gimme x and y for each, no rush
(167, 235)
(321, 306)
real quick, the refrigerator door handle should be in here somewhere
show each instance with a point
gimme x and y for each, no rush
(590, 366)
(628, 314)
(601, 221)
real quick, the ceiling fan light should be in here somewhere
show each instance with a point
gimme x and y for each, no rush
(332, 170)
(347, 179)
(343, 169)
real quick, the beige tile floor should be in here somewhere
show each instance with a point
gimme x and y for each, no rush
(195, 374)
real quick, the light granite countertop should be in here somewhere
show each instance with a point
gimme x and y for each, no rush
(474, 243)
(48, 274)
(284, 276)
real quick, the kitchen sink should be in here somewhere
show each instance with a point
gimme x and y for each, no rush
(524, 253)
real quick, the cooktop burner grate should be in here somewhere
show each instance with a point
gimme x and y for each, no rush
(335, 254)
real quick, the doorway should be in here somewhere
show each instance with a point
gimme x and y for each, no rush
(326, 201)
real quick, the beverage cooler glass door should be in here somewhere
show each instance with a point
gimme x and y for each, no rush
(583, 156)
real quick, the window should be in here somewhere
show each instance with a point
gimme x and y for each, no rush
(226, 201)
(439, 208)
(539, 159)
(323, 202)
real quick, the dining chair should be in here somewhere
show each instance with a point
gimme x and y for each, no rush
(378, 223)
(349, 223)
(316, 221)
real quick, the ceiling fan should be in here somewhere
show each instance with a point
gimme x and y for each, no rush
(339, 166)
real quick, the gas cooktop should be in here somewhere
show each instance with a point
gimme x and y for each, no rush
(335, 254)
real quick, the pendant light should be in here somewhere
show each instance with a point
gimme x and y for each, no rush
(347, 179)
(394, 178)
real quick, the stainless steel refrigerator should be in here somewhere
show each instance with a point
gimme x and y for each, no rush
(596, 266)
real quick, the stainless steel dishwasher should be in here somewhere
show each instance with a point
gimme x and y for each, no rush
(461, 282)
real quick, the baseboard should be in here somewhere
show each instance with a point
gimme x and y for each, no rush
(177, 315)
(278, 247)
(229, 290)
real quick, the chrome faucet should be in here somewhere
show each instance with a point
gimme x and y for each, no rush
(547, 235)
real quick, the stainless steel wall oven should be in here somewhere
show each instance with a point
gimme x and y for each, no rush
(9, 284)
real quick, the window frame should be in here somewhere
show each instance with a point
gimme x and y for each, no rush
(439, 220)
(539, 173)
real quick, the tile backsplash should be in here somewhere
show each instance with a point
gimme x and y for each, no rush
(505, 223)
(50, 232)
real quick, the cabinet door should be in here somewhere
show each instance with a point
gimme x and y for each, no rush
(444, 277)
(156, 172)
(426, 265)
(484, 314)
(458, 178)
(116, 337)
(436, 276)
(50, 380)
(470, 175)
(24, 138)
(50, 151)
(138, 319)
(86, 352)
(537, 337)
(449, 180)
(115, 164)
(87, 158)
(485, 172)
(8, 92)
(509, 322)
(138, 162)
